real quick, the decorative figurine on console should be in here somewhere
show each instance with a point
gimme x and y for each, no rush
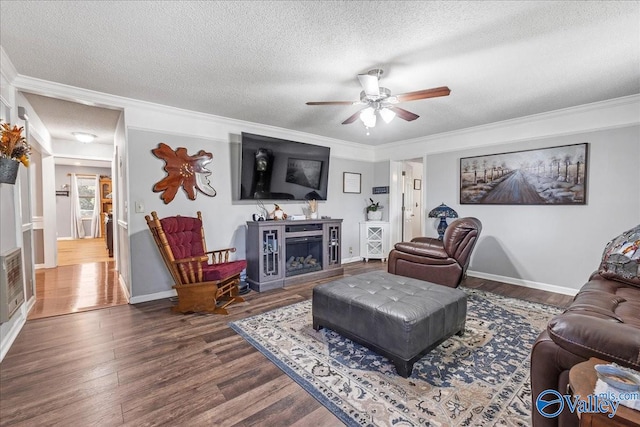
(278, 213)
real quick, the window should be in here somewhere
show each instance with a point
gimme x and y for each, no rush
(87, 196)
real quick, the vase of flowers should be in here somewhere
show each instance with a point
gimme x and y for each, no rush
(13, 151)
(312, 207)
(374, 210)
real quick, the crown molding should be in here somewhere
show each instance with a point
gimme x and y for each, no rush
(555, 114)
(8, 70)
(373, 153)
(593, 117)
(105, 100)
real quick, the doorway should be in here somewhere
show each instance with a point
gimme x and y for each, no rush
(85, 277)
(72, 274)
(406, 201)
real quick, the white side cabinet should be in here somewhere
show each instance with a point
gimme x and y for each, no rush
(374, 240)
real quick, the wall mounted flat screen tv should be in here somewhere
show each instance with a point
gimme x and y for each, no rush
(279, 169)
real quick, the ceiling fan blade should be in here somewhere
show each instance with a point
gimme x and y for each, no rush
(404, 114)
(369, 84)
(352, 118)
(423, 94)
(333, 103)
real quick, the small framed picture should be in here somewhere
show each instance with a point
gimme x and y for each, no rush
(417, 184)
(351, 182)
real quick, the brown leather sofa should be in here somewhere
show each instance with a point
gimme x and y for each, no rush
(443, 261)
(603, 321)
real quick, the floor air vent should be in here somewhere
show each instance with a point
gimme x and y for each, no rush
(11, 287)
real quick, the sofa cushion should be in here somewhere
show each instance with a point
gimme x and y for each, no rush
(608, 299)
(621, 258)
(602, 322)
(588, 336)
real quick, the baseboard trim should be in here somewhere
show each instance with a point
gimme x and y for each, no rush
(12, 334)
(526, 283)
(152, 297)
(352, 259)
(124, 287)
(30, 304)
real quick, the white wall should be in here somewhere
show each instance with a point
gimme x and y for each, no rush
(41, 191)
(79, 150)
(548, 246)
(120, 206)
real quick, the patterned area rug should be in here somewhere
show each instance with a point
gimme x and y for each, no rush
(481, 378)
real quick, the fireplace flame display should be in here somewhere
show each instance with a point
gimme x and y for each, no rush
(305, 255)
(300, 265)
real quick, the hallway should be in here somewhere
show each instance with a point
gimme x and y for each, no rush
(84, 280)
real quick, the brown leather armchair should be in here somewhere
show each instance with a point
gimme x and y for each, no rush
(443, 261)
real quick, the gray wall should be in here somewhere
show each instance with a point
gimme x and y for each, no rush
(556, 245)
(63, 204)
(224, 218)
(7, 217)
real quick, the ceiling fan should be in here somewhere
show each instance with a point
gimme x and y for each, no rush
(380, 102)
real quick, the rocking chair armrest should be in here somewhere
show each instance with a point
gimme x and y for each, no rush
(221, 250)
(201, 258)
(220, 255)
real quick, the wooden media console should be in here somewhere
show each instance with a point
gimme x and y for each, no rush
(282, 253)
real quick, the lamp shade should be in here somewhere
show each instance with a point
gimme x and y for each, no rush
(443, 211)
(387, 115)
(368, 117)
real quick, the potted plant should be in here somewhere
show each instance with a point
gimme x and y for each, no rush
(374, 210)
(13, 151)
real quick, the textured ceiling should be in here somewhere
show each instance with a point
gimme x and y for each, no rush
(61, 118)
(261, 61)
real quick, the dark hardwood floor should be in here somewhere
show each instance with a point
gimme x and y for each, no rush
(143, 365)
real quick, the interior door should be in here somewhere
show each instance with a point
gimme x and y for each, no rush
(408, 207)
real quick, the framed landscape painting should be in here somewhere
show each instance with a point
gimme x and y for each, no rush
(544, 176)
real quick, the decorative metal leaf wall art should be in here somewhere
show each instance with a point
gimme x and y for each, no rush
(183, 170)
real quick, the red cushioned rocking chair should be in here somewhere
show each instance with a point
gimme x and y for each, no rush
(205, 281)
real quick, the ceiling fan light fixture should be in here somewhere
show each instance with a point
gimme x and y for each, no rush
(379, 101)
(368, 117)
(84, 137)
(387, 114)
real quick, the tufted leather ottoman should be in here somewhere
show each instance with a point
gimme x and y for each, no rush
(398, 317)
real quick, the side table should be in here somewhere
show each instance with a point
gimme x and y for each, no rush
(582, 380)
(374, 240)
